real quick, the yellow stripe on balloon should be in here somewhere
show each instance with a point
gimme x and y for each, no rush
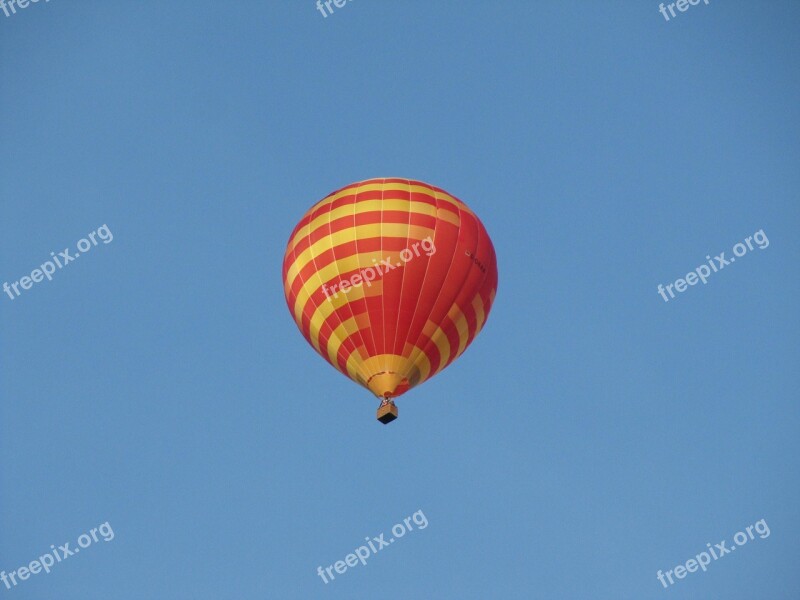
(331, 273)
(325, 310)
(387, 190)
(335, 341)
(361, 233)
(437, 336)
(480, 313)
(421, 361)
(398, 204)
(356, 359)
(462, 326)
(345, 328)
(446, 215)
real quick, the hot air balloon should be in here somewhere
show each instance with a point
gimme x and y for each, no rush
(389, 280)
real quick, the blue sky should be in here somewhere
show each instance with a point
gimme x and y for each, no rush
(593, 433)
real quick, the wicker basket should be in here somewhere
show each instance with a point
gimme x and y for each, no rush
(387, 413)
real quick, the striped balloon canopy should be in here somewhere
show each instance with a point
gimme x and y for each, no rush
(390, 280)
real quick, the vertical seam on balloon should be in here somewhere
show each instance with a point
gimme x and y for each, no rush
(478, 289)
(326, 354)
(383, 287)
(366, 305)
(397, 361)
(339, 275)
(453, 351)
(334, 313)
(415, 352)
(455, 355)
(335, 263)
(367, 311)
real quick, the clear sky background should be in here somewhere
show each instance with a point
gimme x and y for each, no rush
(592, 434)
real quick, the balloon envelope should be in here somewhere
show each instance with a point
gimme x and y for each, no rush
(390, 280)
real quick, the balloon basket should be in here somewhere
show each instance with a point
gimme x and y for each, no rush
(387, 412)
